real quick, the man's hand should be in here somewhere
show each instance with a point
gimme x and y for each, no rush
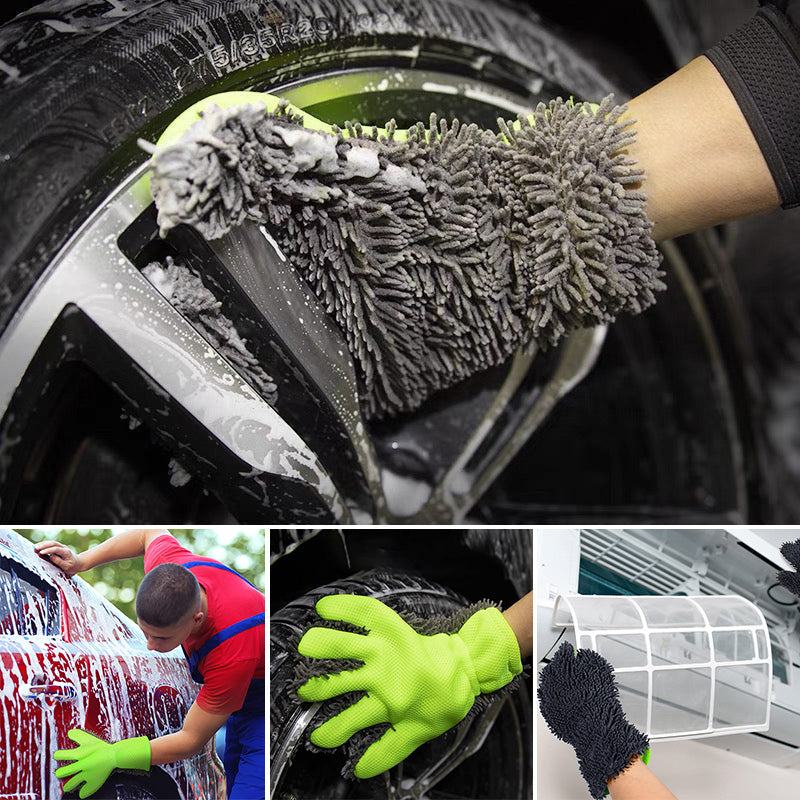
(128, 544)
(61, 556)
(421, 685)
(94, 760)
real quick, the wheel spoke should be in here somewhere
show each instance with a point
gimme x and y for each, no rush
(518, 409)
(161, 350)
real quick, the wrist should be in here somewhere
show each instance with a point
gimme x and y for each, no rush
(493, 649)
(644, 758)
(702, 165)
(132, 753)
(607, 758)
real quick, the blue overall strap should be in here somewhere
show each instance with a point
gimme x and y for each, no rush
(216, 565)
(218, 638)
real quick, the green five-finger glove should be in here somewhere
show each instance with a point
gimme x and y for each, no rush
(421, 685)
(94, 759)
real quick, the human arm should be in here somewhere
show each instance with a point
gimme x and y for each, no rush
(198, 727)
(702, 164)
(520, 619)
(128, 544)
(636, 782)
(720, 138)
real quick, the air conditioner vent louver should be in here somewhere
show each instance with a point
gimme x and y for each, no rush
(659, 570)
(647, 569)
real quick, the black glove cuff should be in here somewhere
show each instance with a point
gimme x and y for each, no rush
(760, 62)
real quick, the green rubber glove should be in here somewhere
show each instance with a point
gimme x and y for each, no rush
(421, 685)
(94, 759)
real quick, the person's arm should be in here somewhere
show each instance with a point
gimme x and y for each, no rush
(702, 164)
(638, 782)
(198, 727)
(129, 544)
(520, 619)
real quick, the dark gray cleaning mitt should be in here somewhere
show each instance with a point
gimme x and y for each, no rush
(789, 578)
(440, 255)
(579, 700)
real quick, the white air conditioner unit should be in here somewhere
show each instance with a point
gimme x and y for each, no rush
(680, 562)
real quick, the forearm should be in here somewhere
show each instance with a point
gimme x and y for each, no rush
(702, 164)
(520, 619)
(638, 782)
(129, 544)
(198, 728)
(175, 747)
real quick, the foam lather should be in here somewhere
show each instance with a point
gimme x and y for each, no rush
(441, 251)
(416, 686)
(579, 700)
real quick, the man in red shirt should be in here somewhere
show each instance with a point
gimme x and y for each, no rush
(218, 617)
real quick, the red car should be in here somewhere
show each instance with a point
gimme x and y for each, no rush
(69, 659)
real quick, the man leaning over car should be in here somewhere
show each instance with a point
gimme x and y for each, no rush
(218, 617)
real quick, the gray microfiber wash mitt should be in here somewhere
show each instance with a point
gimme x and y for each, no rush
(579, 700)
(790, 579)
(439, 252)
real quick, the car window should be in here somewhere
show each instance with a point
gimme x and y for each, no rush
(94, 623)
(28, 604)
(90, 619)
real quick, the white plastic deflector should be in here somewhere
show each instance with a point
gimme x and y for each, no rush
(686, 667)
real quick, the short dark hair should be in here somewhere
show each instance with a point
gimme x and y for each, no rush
(166, 595)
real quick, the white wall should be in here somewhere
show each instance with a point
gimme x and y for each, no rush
(691, 770)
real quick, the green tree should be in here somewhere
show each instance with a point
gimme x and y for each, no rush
(240, 549)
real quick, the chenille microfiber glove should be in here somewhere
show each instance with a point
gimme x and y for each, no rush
(438, 251)
(790, 578)
(94, 759)
(579, 700)
(421, 685)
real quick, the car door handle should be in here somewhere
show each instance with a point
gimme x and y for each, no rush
(60, 692)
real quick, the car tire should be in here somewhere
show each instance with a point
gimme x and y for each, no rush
(127, 786)
(501, 767)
